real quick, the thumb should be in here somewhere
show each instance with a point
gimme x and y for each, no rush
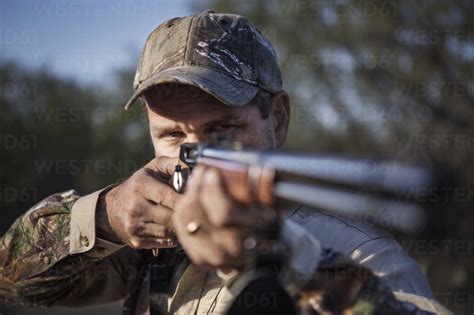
(164, 166)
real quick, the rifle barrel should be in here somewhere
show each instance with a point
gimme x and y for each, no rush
(403, 216)
(384, 192)
(403, 181)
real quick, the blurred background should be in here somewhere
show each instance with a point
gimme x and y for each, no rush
(385, 79)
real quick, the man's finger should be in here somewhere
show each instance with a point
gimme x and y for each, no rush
(164, 165)
(159, 192)
(140, 242)
(230, 240)
(208, 255)
(195, 181)
(158, 215)
(155, 230)
(214, 195)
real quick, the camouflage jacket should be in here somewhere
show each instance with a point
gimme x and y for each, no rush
(51, 256)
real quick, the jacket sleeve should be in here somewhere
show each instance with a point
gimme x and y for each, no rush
(341, 285)
(325, 281)
(50, 255)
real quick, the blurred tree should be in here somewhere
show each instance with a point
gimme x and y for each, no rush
(390, 79)
(56, 135)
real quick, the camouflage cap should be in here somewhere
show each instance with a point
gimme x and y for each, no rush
(222, 54)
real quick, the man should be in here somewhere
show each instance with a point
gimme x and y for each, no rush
(200, 75)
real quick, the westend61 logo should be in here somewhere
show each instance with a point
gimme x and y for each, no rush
(79, 114)
(14, 194)
(18, 37)
(12, 90)
(90, 166)
(332, 9)
(456, 299)
(456, 247)
(22, 142)
(251, 299)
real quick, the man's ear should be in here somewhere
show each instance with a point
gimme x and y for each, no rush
(280, 115)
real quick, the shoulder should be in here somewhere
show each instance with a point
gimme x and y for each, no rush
(366, 245)
(341, 234)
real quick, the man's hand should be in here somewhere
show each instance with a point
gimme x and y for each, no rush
(211, 226)
(139, 209)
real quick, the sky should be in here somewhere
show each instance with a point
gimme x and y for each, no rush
(85, 40)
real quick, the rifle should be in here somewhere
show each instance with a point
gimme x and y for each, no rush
(385, 192)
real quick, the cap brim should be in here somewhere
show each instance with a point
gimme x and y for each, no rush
(225, 88)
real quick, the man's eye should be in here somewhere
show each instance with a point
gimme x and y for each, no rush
(225, 127)
(173, 134)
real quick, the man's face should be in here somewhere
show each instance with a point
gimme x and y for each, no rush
(190, 115)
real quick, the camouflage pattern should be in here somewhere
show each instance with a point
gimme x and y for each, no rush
(35, 243)
(222, 54)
